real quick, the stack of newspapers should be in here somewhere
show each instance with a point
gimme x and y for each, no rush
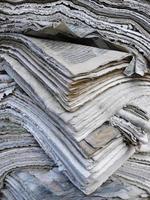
(72, 123)
(123, 23)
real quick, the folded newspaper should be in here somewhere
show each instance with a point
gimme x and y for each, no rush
(74, 123)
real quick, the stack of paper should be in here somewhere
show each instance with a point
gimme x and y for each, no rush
(65, 96)
(122, 23)
(43, 184)
(92, 149)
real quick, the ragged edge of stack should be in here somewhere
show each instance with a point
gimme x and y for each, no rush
(123, 23)
(136, 169)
